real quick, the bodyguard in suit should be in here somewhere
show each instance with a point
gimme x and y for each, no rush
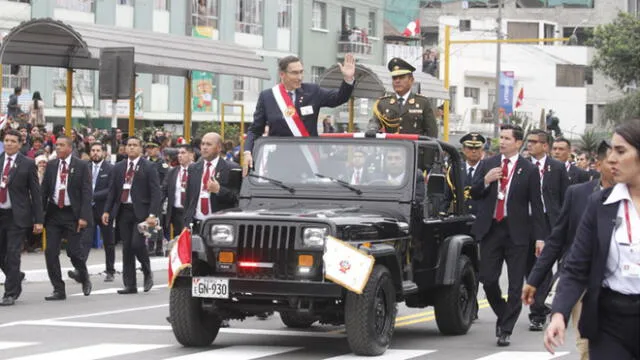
(20, 211)
(473, 150)
(604, 260)
(100, 177)
(357, 173)
(506, 188)
(291, 107)
(553, 184)
(66, 196)
(562, 152)
(174, 188)
(135, 196)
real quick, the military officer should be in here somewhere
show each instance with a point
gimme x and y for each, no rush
(152, 150)
(403, 111)
(473, 150)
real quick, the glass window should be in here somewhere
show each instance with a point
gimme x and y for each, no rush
(76, 5)
(474, 93)
(245, 88)
(372, 28)
(581, 34)
(319, 15)
(126, 2)
(161, 4)
(284, 14)
(589, 118)
(160, 79)
(82, 81)
(568, 75)
(348, 17)
(249, 16)
(11, 81)
(316, 73)
(205, 13)
(588, 75)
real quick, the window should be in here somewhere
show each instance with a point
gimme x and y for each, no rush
(249, 16)
(319, 15)
(522, 30)
(161, 5)
(430, 4)
(549, 32)
(76, 5)
(570, 75)
(316, 73)
(160, 79)
(453, 93)
(580, 4)
(473, 93)
(126, 2)
(464, 25)
(588, 75)
(21, 1)
(11, 81)
(205, 13)
(245, 88)
(284, 14)
(582, 34)
(372, 29)
(633, 7)
(348, 17)
(589, 118)
(82, 82)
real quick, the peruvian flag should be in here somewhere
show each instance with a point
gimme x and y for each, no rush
(179, 255)
(3, 122)
(412, 29)
(520, 98)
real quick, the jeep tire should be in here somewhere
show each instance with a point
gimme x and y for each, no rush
(370, 317)
(295, 320)
(455, 304)
(191, 325)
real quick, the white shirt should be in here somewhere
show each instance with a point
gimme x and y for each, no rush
(212, 168)
(467, 166)
(541, 171)
(404, 97)
(353, 176)
(67, 202)
(7, 204)
(621, 253)
(135, 168)
(397, 180)
(510, 171)
(567, 165)
(177, 195)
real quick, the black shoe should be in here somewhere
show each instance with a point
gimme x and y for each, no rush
(7, 301)
(109, 277)
(536, 325)
(86, 287)
(128, 290)
(224, 323)
(148, 282)
(19, 292)
(56, 296)
(504, 340)
(75, 275)
(498, 331)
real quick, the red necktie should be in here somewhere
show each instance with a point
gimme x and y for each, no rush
(63, 183)
(503, 189)
(541, 169)
(356, 180)
(124, 196)
(204, 202)
(5, 180)
(183, 182)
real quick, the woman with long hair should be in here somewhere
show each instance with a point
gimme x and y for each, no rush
(604, 260)
(36, 110)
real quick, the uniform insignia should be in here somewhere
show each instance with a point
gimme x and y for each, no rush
(290, 111)
(418, 106)
(392, 101)
(415, 111)
(396, 68)
(386, 110)
(412, 101)
(164, 165)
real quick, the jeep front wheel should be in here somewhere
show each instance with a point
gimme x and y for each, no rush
(295, 320)
(191, 325)
(455, 304)
(370, 316)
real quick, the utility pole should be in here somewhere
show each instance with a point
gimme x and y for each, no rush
(496, 105)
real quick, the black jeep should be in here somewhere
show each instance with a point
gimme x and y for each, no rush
(405, 209)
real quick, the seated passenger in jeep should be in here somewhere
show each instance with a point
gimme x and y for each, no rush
(394, 167)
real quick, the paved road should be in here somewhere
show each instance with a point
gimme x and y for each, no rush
(107, 325)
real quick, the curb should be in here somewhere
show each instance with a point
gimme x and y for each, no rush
(40, 275)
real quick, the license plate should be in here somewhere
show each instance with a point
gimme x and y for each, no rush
(210, 287)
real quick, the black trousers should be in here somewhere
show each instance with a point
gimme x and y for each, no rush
(62, 224)
(496, 248)
(619, 327)
(11, 238)
(133, 245)
(108, 242)
(177, 220)
(538, 311)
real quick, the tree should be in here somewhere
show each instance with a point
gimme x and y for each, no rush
(624, 109)
(231, 130)
(590, 140)
(618, 49)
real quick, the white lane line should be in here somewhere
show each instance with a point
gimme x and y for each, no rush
(111, 291)
(237, 353)
(523, 355)
(390, 354)
(4, 345)
(94, 352)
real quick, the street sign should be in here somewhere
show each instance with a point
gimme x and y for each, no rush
(117, 70)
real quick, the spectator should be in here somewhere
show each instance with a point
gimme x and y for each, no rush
(36, 147)
(13, 107)
(36, 110)
(327, 126)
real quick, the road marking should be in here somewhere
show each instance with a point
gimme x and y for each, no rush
(431, 318)
(523, 355)
(238, 353)
(427, 313)
(111, 312)
(4, 345)
(94, 352)
(390, 354)
(110, 291)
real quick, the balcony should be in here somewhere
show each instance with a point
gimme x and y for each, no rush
(354, 41)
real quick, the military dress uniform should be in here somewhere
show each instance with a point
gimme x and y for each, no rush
(395, 114)
(474, 141)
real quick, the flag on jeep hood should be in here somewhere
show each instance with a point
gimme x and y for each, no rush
(345, 265)
(179, 255)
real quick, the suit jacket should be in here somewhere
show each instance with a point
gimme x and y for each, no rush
(226, 198)
(577, 175)
(524, 190)
(78, 187)
(470, 202)
(101, 191)
(24, 191)
(169, 189)
(146, 195)
(586, 262)
(268, 113)
(554, 185)
(561, 237)
(365, 175)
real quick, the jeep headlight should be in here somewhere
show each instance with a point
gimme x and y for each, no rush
(314, 237)
(222, 234)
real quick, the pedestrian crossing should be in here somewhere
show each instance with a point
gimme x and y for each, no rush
(36, 351)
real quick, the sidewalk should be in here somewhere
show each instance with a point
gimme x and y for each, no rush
(34, 267)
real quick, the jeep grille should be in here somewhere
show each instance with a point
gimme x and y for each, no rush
(267, 243)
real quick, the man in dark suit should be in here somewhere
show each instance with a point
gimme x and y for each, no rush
(473, 150)
(152, 152)
(584, 161)
(357, 173)
(554, 183)
(506, 188)
(174, 189)
(135, 196)
(562, 152)
(291, 108)
(20, 211)
(100, 176)
(66, 196)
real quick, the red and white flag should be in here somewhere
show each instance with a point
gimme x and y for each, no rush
(412, 29)
(520, 98)
(3, 122)
(179, 255)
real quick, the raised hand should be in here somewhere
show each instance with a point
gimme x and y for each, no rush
(348, 68)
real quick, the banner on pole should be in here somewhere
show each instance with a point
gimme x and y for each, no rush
(507, 80)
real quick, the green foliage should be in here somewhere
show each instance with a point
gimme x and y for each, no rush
(590, 140)
(624, 109)
(618, 49)
(231, 130)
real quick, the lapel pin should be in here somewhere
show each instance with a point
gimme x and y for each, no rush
(519, 171)
(393, 101)
(412, 101)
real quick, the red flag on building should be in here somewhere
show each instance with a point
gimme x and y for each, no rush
(179, 255)
(412, 29)
(520, 98)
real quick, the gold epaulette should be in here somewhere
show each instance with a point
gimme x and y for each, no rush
(384, 120)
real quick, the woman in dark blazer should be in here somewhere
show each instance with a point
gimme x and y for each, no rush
(604, 260)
